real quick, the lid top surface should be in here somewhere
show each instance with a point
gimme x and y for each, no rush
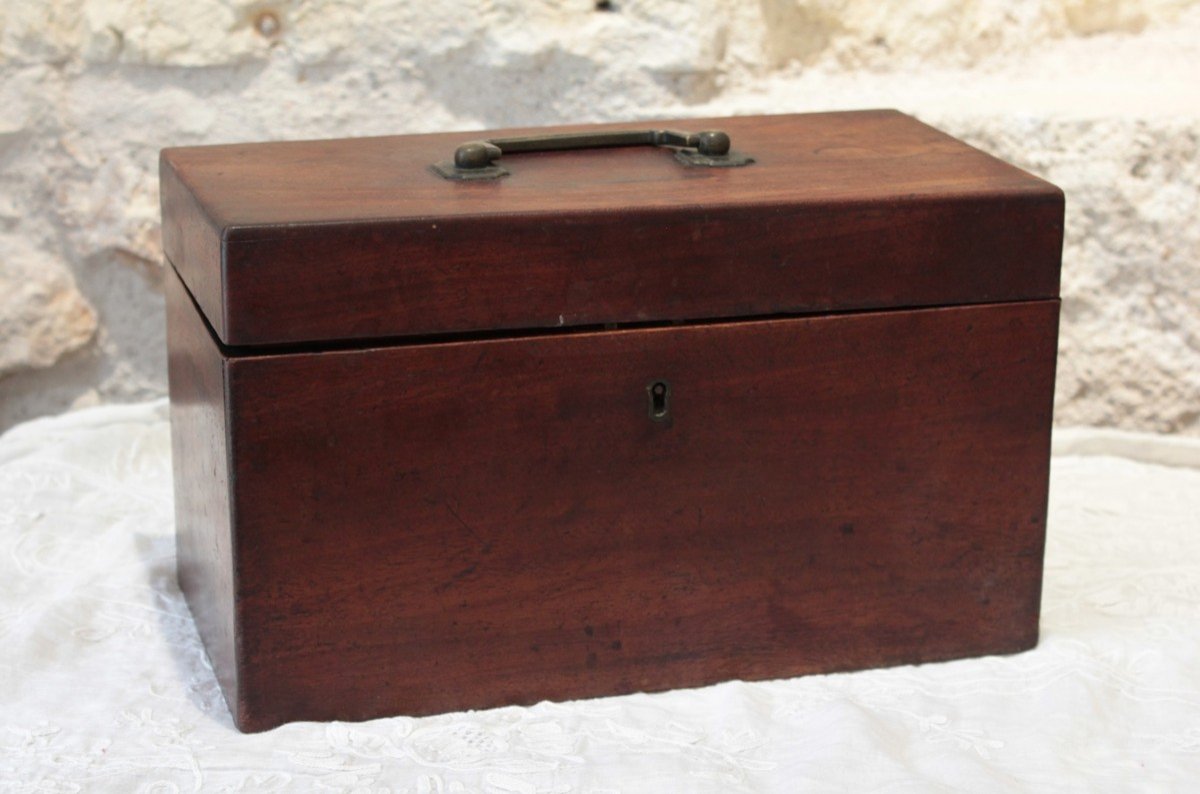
(822, 157)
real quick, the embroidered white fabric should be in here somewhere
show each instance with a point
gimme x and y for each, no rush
(104, 685)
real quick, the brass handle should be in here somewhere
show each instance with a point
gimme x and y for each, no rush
(477, 159)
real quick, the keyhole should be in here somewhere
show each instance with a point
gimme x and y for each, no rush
(660, 393)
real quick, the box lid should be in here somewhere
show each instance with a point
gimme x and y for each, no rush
(352, 239)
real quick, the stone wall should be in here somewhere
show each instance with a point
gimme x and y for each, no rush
(1097, 95)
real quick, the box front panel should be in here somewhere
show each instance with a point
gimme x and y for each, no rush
(469, 524)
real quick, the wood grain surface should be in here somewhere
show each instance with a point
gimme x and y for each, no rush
(459, 525)
(204, 530)
(294, 242)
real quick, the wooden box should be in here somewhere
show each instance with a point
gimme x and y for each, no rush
(630, 417)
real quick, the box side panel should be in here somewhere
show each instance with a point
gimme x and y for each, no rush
(192, 243)
(465, 525)
(199, 452)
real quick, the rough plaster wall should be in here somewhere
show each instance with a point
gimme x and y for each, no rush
(1099, 96)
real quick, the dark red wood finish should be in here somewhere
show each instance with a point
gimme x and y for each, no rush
(350, 239)
(433, 527)
(204, 525)
(381, 517)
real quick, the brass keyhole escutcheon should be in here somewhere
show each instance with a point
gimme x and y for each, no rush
(659, 392)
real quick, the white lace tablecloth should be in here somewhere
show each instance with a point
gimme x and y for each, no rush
(104, 685)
